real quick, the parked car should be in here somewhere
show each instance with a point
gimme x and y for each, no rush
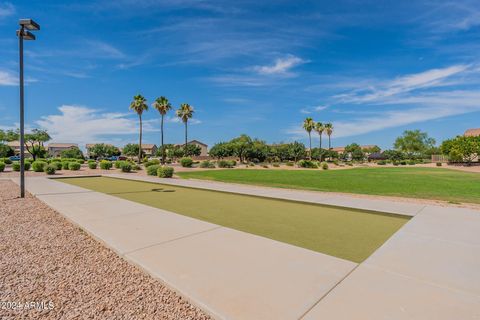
(15, 158)
(112, 158)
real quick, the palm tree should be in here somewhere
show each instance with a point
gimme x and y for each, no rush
(319, 127)
(329, 130)
(309, 125)
(163, 106)
(139, 104)
(185, 112)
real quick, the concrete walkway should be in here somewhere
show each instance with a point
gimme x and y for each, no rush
(427, 270)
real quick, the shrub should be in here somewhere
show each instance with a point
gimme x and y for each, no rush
(152, 163)
(265, 166)
(16, 166)
(228, 164)
(92, 165)
(65, 165)
(439, 164)
(2, 166)
(207, 164)
(7, 161)
(289, 163)
(118, 164)
(74, 166)
(80, 161)
(56, 160)
(50, 169)
(57, 165)
(324, 166)
(126, 167)
(165, 172)
(307, 164)
(396, 163)
(403, 162)
(411, 162)
(136, 167)
(152, 170)
(38, 166)
(382, 162)
(276, 165)
(233, 163)
(186, 162)
(105, 165)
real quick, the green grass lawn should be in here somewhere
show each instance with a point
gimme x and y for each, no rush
(426, 183)
(340, 232)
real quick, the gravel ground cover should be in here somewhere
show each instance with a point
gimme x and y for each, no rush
(46, 259)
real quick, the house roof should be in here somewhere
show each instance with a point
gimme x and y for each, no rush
(342, 149)
(472, 132)
(192, 142)
(62, 145)
(16, 144)
(148, 146)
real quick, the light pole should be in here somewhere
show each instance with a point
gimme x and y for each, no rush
(23, 34)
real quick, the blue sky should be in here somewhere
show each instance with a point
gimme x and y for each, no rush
(372, 68)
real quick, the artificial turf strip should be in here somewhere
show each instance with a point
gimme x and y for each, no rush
(349, 234)
(422, 183)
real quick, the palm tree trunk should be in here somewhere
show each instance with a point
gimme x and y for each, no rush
(163, 149)
(186, 138)
(320, 147)
(140, 142)
(310, 138)
(329, 144)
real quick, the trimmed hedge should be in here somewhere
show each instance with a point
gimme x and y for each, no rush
(324, 166)
(105, 165)
(307, 164)
(50, 169)
(65, 165)
(152, 169)
(74, 166)
(152, 162)
(227, 163)
(2, 166)
(186, 162)
(39, 166)
(57, 165)
(16, 166)
(92, 165)
(126, 167)
(118, 164)
(165, 172)
(207, 164)
(7, 161)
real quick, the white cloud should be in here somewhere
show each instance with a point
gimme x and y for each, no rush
(310, 110)
(381, 92)
(83, 125)
(7, 79)
(280, 65)
(6, 9)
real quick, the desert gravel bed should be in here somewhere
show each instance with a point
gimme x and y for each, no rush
(45, 258)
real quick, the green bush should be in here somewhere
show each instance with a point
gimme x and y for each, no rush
(152, 162)
(289, 164)
(324, 166)
(2, 166)
(226, 164)
(439, 164)
(50, 169)
(7, 161)
(56, 160)
(382, 162)
(276, 165)
(16, 166)
(165, 172)
(74, 166)
(207, 164)
(186, 162)
(153, 169)
(80, 161)
(105, 165)
(403, 162)
(39, 166)
(307, 164)
(92, 165)
(411, 162)
(65, 165)
(233, 163)
(118, 164)
(57, 165)
(265, 166)
(126, 167)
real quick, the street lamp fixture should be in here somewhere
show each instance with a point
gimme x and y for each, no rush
(23, 34)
